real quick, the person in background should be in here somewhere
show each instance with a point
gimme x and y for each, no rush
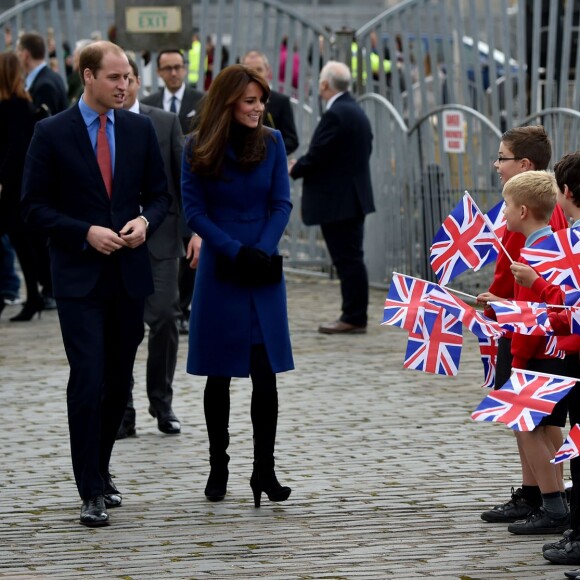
(47, 90)
(236, 195)
(337, 191)
(74, 81)
(177, 97)
(278, 113)
(165, 248)
(17, 118)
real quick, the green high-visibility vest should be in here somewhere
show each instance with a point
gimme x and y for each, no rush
(194, 57)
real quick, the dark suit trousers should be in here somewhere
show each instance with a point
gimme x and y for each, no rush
(101, 335)
(161, 312)
(344, 240)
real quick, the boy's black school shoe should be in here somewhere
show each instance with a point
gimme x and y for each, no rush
(569, 554)
(517, 508)
(566, 537)
(541, 522)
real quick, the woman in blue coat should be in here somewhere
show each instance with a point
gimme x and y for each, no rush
(236, 196)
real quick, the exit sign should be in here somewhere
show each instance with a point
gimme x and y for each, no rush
(153, 19)
(154, 24)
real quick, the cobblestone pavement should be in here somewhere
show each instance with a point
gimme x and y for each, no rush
(388, 473)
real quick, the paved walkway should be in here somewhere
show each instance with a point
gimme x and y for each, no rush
(389, 474)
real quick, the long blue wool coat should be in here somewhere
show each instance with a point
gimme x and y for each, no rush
(243, 208)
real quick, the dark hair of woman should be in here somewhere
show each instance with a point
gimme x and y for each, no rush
(11, 78)
(216, 117)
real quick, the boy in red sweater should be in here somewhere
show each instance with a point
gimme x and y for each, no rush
(567, 172)
(521, 149)
(530, 199)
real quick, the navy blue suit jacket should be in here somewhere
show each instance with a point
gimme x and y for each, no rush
(336, 167)
(63, 194)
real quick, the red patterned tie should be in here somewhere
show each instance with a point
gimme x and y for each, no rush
(104, 155)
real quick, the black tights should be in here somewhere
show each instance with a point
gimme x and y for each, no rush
(264, 408)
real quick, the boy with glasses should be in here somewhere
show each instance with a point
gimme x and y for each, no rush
(521, 149)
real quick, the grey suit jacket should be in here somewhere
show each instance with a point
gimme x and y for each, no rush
(189, 106)
(166, 242)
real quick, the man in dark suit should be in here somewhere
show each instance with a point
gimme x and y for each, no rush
(94, 183)
(337, 191)
(177, 97)
(44, 85)
(165, 248)
(48, 92)
(278, 113)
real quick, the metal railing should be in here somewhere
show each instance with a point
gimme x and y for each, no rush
(499, 63)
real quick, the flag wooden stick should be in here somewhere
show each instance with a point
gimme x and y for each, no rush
(488, 223)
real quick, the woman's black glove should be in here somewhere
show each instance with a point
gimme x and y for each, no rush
(251, 262)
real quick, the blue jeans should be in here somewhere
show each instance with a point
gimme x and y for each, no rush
(9, 280)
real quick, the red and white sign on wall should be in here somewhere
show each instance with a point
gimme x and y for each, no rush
(453, 134)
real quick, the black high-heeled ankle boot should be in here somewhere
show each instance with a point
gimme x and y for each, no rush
(28, 311)
(267, 482)
(217, 482)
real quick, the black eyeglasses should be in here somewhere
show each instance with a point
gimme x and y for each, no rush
(169, 69)
(500, 159)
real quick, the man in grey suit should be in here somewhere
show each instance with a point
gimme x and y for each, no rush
(165, 249)
(177, 97)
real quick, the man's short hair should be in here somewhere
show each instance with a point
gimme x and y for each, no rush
(529, 142)
(537, 190)
(258, 54)
(92, 55)
(169, 51)
(34, 44)
(337, 74)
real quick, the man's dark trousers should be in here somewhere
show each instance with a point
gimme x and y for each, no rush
(101, 334)
(344, 240)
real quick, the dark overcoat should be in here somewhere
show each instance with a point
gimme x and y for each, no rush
(242, 208)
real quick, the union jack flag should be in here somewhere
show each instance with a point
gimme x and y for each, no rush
(552, 349)
(436, 348)
(523, 317)
(464, 241)
(405, 298)
(569, 448)
(524, 400)
(488, 352)
(475, 321)
(497, 221)
(571, 296)
(575, 320)
(557, 258)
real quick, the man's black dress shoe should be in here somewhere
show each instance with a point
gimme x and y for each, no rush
(112, 495)
(169, 424)
(94, 513)
(126, 430)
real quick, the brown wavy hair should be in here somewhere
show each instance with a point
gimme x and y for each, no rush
(208, 146)
(11, 77)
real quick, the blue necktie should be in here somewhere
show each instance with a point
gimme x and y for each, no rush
(173, 105)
